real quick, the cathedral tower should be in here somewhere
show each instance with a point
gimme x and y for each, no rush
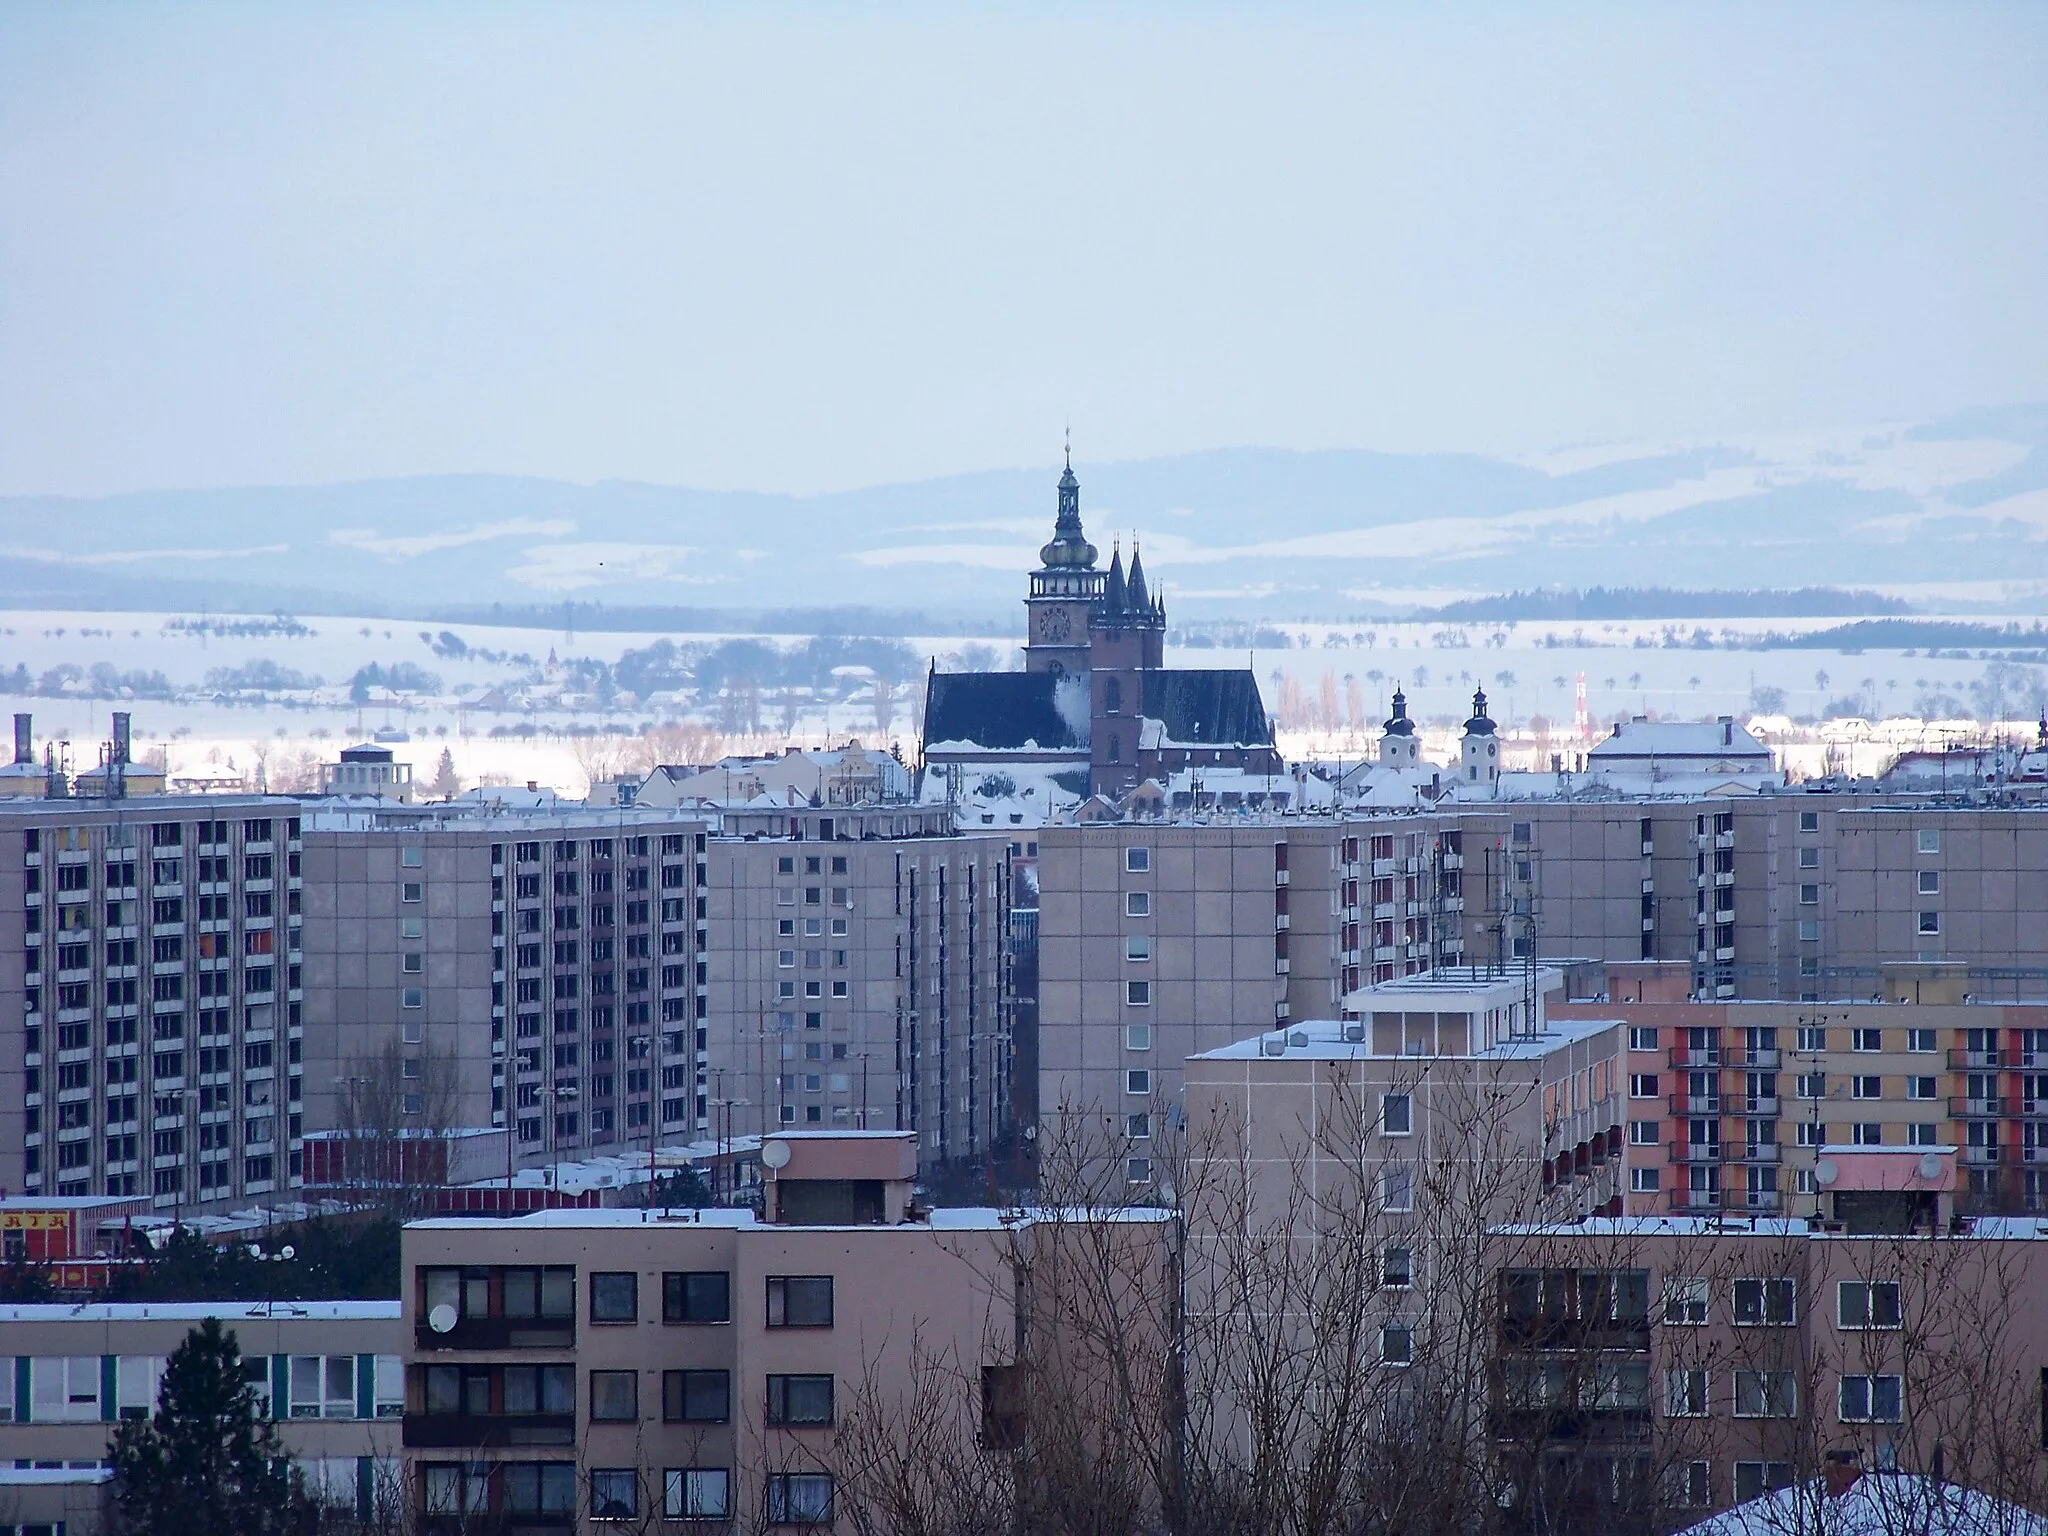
(1064, 590)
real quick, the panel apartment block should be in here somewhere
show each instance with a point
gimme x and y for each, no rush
(551, 959)
(150, 998)
(863, 972)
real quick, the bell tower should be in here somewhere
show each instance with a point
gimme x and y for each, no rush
(1064, 590)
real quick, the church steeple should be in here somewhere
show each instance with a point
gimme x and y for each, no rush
(1115, 595)
(1137, 599)
(1069, 549)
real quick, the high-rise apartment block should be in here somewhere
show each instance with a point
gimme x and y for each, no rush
(151, 988)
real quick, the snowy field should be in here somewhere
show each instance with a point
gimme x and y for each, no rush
(1329, 688)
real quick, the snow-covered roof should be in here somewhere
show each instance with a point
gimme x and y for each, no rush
(1642, 740)
(1875, 1504)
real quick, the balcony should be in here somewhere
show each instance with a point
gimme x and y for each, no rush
(1702, 1056)
(1753, 1104)
(1755, 1200)
(1978, 1109)
(1695, 1104)
(1764, 1060)
(499, 1333)
(1759, 1151)
(1963, 1061)
(1982, 1157)
(438, 1431)
(1696, 1201)
(1694, 1151)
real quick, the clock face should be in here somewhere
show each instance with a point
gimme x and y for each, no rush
(1054, 624)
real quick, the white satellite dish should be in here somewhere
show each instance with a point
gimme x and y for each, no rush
(1930, 1165)
(442, 1319)
(1825, 1172)
(287, 1252)
(775, 1154)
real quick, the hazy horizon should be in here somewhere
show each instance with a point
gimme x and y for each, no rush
(808, 249)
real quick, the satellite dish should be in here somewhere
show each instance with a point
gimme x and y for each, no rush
(775, 1154)
(442, 1319)
(1930, 1165)
(1825, 1171)
(287, 1252)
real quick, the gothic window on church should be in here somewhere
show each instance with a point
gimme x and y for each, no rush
(1113, 698)
(1115, 754)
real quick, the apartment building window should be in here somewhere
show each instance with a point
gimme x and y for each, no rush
(1138, 1127)
(1920, 1040)
(1137, 947)
(1867, 1133)
(1397, 1187)
(452, 1489)
(1930, 882)
(1930, 922)
(1809, 858)
(1642, 1085)
(614, 1396)
(696, 1296)
(1867, 1304)
(64, 1389)
(1866, 1087)
(1137, 903)
(1810, 1085)
(1689, 1485)
(1686, 1300)
(1642, 1039)
(1645, 1181)
(1138, 860)
(1138, 1170)
(411, 891)
(1923, 1134)
(1809, 930)
(799, 1399)
(1397, 1267)
(1138, 993)
(1137, 1037)
(614, 1493)
(1685, 1394)
(1765, 1303)
(615, 1296)
(1809, 895)
(1812, 1134)
(696, 1397)
(1870, 1400)
(1920, 1087)
(1766, 1395)
(1754, 1479)
(1644, 1133)
(799, 1301)
(697, 1493)
(1929, 839)
(1397, 1344)
(1138, 1080)
(800, 1498)
(1396, 1114)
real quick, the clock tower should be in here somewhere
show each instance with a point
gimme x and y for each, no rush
(1064, 590)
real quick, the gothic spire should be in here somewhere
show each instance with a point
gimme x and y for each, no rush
(1115, 596)
(1135, 590)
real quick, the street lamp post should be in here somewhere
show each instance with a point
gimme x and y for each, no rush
(551, 1093)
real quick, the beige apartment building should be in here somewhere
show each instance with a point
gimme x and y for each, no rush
(1733, 1106)
(709, 1365)
(329, 1373)
(1654, 1369)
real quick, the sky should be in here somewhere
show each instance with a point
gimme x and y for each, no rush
(811, 247)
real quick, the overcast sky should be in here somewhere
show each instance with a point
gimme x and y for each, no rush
(807, 247)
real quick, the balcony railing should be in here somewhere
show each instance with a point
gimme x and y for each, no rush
(1694, 1151)
(1963, 1061)
(500, 1333)
(434, 1431)
(1977, 1109)
(1753, 1104)
(1982, 1157)
(1695, 1104)
(1758, 1151)
(1765, 1059)
(1696, 1056)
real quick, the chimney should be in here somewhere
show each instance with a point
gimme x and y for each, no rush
(1727, 730)
(24, 749)
(123, 737)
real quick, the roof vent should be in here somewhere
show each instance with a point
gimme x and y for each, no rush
(1354, 1031)
(1273, 1045)
(1299, 1039)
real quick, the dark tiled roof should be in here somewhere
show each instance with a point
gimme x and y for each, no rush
(1209, 708)
(998, 710)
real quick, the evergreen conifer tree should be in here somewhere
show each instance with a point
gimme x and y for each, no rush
(205, 1464)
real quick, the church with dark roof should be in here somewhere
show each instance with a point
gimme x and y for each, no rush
(1095, 695)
